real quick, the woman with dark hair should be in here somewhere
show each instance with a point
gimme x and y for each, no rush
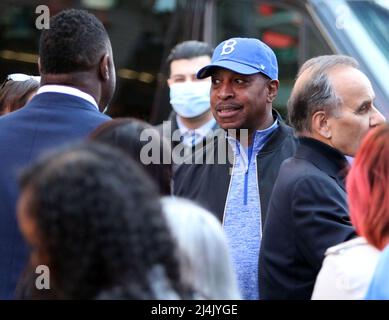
(143, 143)
(16, 91)
(349, 267)
(96, 222)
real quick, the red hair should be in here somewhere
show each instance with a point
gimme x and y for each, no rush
(368, 188)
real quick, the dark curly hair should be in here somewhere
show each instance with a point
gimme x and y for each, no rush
(125, 133)
(75, 41)
(100, 224)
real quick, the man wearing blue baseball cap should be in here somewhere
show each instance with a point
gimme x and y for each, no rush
(237, 189)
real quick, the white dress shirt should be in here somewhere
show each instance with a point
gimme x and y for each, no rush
(67, 90)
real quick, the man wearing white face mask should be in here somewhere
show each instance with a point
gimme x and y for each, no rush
(189, 96)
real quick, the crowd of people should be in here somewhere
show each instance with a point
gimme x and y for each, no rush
(224, 200)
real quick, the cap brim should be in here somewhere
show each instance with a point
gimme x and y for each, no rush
(226, 64)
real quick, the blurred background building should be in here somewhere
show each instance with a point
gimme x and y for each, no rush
(143, 32)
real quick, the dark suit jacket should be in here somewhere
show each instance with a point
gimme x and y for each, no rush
(307, 214)
(49, 120)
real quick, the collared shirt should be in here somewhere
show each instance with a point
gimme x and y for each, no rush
(67, 90)
(193, 137)
(242, 219)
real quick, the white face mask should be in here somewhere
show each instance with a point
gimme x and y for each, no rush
(190, 99)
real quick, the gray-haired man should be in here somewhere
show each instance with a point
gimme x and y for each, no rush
(332, 108)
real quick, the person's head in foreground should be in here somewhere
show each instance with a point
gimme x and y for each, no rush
(95, 220)
(16, 91)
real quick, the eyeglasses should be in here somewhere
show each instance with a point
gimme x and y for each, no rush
(19, 77)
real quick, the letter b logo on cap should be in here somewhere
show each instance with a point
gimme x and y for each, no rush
(228, 47)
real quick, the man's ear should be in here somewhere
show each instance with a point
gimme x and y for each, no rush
(272, 90)
(39, 65)
(320, 125)
(104, 67)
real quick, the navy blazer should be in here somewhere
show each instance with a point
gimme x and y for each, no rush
(49, 120)
(307, 214)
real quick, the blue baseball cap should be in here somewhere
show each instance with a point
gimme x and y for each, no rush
(244, 56)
